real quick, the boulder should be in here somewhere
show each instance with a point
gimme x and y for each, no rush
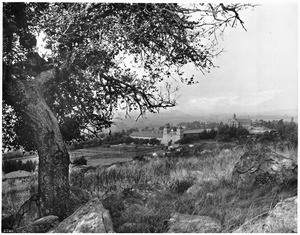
(89, 218)
(284, 215)
(281, 219)
(184, 223)
(258, 167)
(41, 225)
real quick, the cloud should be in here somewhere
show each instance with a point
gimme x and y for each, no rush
(234, 100)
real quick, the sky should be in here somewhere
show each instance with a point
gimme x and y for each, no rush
(258, 72)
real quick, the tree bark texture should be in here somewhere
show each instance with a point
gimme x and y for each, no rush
(53, 172)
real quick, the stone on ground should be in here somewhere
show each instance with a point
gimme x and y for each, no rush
(258, 167)
(89, 218)
(281, 219)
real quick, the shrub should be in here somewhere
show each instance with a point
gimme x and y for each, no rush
(80, 161)
(186, 140)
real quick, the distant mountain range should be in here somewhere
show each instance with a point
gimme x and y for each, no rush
(154, 119)
(174, 116)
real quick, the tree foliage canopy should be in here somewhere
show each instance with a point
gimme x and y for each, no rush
(104, 57)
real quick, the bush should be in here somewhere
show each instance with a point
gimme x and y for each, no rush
(80, 161)
(228, 134)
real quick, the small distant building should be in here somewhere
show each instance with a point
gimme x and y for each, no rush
(171, 135)
(258, 130)
(239, 122)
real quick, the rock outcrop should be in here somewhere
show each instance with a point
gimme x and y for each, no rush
(89, 218)
(258, 167)
(281, 219)
(184, 223)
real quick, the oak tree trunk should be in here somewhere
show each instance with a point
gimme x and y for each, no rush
(53, 172)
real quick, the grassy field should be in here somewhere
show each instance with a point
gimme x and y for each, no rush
(103, 156)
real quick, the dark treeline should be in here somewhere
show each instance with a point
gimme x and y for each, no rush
(279, 132)
(113, 139)
(14, 165)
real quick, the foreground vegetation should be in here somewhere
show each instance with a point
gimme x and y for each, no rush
(142, 195)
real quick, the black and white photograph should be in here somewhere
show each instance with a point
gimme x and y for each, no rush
(149, 117)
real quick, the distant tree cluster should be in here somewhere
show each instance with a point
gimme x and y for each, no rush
(14, 165)
(205, 135)
(288, 131)
(114, 139)
(226, 134)
(152, 141)
(119, 138)
(282, 131)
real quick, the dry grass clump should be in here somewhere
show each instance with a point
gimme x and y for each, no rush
(214, 167)
(197, 185)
